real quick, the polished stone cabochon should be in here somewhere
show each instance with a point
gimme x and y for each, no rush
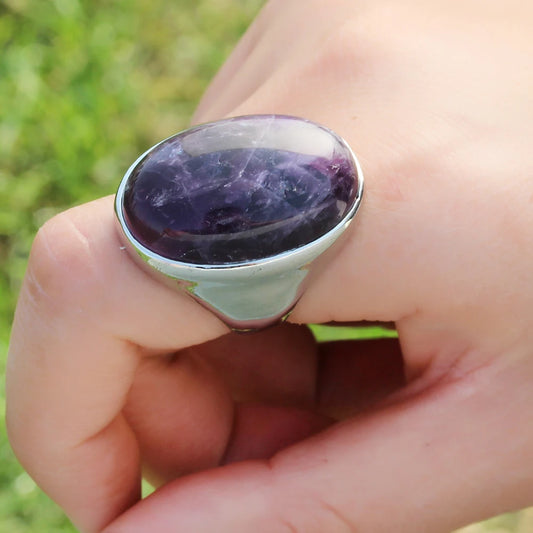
(240, 190)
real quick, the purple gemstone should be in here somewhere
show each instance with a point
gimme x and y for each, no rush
(240, 189)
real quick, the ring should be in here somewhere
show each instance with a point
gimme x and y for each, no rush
(236, 212)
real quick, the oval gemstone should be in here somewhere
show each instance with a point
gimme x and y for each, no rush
(240, 189)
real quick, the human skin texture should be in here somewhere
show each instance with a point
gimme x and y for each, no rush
(111, 372)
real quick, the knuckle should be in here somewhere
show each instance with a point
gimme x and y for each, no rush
(318, 516)
(344, 51)
(335, 519)
(307, 510)
(62, 264)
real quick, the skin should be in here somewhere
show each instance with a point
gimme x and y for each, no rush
(110, 372)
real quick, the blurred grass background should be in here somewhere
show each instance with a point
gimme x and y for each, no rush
(86, 86)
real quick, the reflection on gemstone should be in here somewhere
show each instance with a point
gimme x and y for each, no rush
(240, 189)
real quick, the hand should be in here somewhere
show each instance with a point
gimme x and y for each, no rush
(109, 370)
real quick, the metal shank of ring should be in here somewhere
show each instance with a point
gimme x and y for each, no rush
(248, 295)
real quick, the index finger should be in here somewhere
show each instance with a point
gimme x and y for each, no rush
(86, 314)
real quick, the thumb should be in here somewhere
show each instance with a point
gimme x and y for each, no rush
(424, 463)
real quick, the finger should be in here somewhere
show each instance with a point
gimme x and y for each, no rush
(349, 377)
(370, 261)
(181, 409)
(259, 431)
(84, 313)
(390, 249)
(355, 375)
(276, 366)
(399, 468)
(182, 415)
(260, 54)
(233, 66)
(284, 366)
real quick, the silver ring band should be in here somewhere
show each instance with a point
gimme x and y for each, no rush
(249, 293)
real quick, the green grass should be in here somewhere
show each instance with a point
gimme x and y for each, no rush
(324, 333)
(85, 86)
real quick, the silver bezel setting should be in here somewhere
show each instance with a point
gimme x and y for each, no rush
(247, 295)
